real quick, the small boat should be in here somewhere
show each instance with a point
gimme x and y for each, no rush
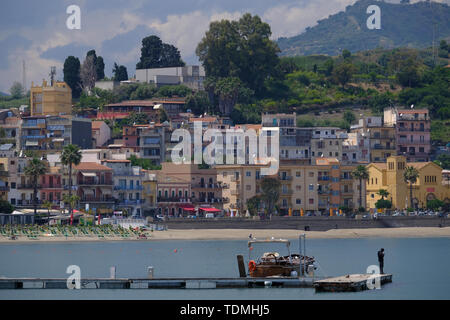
(272, 264)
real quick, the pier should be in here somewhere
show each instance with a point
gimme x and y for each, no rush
(344, 283)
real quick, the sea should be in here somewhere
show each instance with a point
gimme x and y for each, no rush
(420, 267)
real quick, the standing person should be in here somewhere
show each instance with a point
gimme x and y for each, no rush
(381, 260)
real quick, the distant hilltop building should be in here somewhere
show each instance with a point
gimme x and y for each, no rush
(55, 99)
(190, 76)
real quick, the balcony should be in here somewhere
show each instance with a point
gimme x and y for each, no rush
(51, 186)
(128, 188)
(404, 129)
(381, 147)
(4, 173)
(382, 137)
(87, 199)
(27, 186)
(209, 200)
(235, 179)
(4, 188)
(127, 202)
(174, 199)
(95, 183)
(207, 186)
(285, 178)
(323, 191)
(323, 178)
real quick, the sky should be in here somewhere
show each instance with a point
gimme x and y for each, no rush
(36, 32)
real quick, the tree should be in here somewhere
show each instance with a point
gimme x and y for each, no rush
(47, 205)
(346, 54)
(360, 173)
(99, 64)
(88, 73)
(156, 54)
(343, 73)
(100, 68)
(270, 188)
(253, 205)
(349, 116)
(34, 169)
(408, 75)
(383, 193)
(71, 155)
(240, 49)
(443, 160)
(228, 91)
(120, 73)
(6, 207)
(435, 204)
(383, 204)
(198, 103)
(72, 75)
(410, 176)
(16, 90)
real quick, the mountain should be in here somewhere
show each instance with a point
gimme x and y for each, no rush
(2, 94)
(402, 25)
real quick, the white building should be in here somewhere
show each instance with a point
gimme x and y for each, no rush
(190, 76)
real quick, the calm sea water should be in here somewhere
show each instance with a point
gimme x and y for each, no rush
(420, 267)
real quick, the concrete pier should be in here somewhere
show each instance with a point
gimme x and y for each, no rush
(352, 282)
(344, 283)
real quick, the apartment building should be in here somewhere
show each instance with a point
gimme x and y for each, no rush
(412, 132)
(150, 193)
(389, 176)
(54, 99)
(188, 188)
(4, 182)
(10, 124)
(327, 142)
(101, 133)
(128, 186)
(95, 187)
(294, 142)
(151, 140)
(317, 188)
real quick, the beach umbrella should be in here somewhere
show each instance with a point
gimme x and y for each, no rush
(302, 212)
(247, 213)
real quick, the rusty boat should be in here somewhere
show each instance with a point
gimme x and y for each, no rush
(272, 264)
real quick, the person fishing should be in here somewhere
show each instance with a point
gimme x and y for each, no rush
(381, 260)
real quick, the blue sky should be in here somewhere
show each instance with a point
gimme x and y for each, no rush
(35, 31)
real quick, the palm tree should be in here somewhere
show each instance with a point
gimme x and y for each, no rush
(71, 155)
(360, 173)
(34, 170)
(71, 200)
(48, 206)
(410, 176)
(383, 193)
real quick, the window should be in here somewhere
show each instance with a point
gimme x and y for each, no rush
(311, 174)
(311, 201)
(13, 185)
(311, 187)
(298, 174)
(298, 187)
(298, 201)
(248, 173)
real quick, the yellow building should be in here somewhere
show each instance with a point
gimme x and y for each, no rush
(389, 176)
(150, 187)
(55, 99)
(4, 187)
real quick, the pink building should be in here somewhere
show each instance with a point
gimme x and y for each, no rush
(412, 130)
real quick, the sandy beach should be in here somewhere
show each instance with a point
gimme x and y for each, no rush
(243, 234)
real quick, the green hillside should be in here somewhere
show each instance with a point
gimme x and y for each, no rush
(402, 25)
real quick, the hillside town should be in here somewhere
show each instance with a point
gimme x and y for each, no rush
(322, 170)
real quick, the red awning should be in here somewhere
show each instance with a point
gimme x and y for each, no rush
(187, 207)
(210, 209)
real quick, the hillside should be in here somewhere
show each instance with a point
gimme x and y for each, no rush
(402, 25)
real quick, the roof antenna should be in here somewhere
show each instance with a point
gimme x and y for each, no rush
(52, 74)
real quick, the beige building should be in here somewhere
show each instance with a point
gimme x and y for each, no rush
(54, 100)
(309, 188)
(389, 176)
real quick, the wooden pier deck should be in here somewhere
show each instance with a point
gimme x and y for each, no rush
(352, 282)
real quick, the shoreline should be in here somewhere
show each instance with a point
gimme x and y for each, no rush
(243, 234)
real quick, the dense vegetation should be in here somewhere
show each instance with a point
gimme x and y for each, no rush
(402, 25)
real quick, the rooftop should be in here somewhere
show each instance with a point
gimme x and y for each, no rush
(92, 166)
